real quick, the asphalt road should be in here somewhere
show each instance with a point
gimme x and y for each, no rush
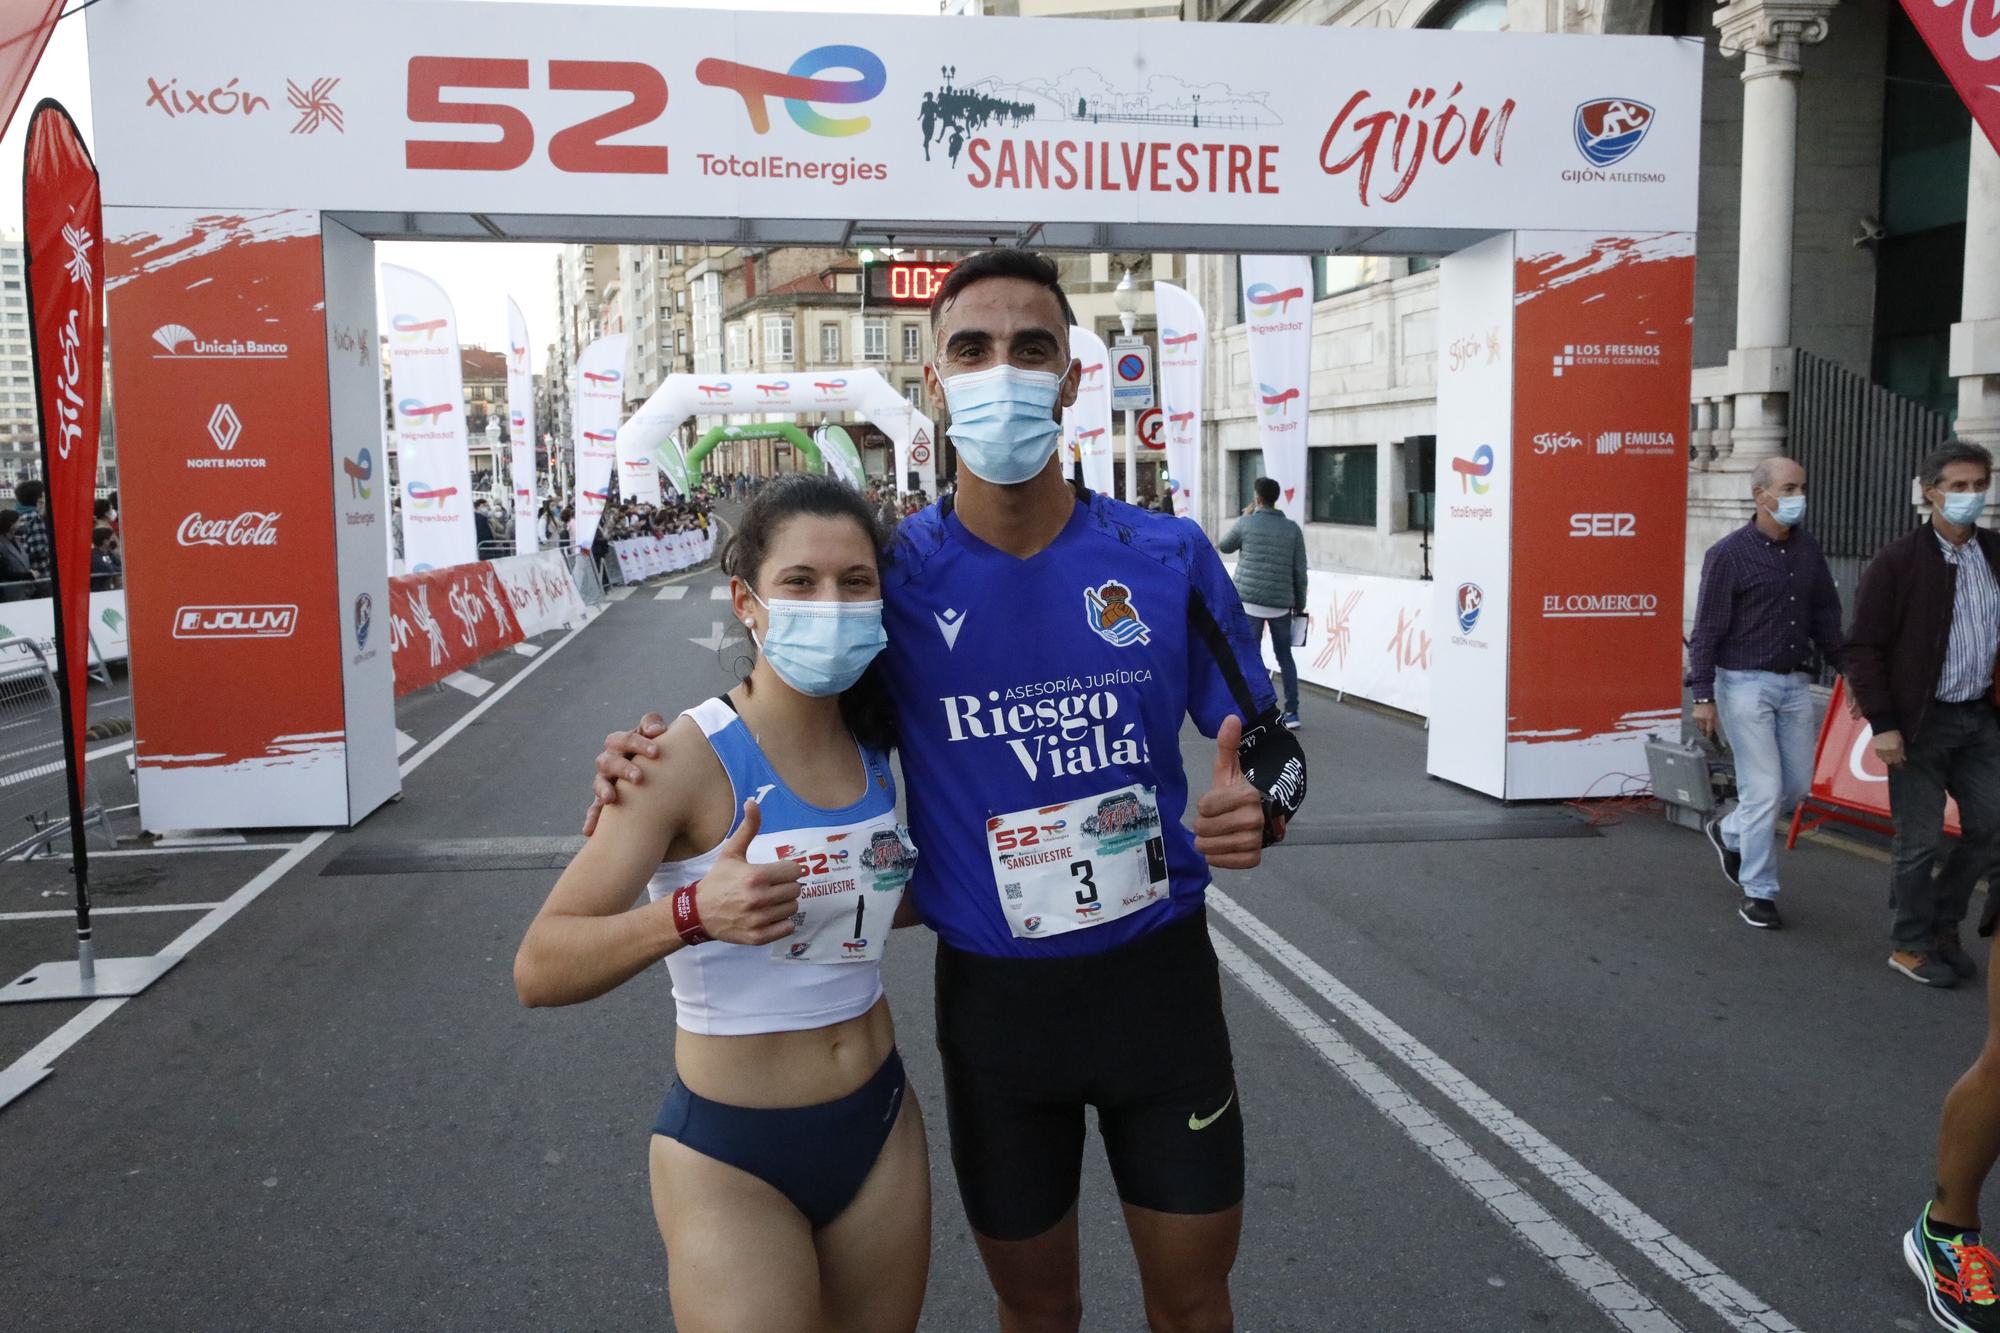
(1492, 1079)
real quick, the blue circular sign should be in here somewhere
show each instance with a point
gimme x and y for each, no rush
(1131, 367)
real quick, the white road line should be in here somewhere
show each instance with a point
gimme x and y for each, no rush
(1667, 1252)
(1533, 1225)
(199, 850)
(108, 750)
(620, 594)
(465, 681)
(673, 592)
(720, 593)
(81, 1026)
(69, 913)
(405, 743)
(527, 649)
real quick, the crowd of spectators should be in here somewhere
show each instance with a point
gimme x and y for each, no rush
(26, 553)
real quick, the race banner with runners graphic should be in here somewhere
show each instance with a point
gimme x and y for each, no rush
(427, 397)
(1277, 301)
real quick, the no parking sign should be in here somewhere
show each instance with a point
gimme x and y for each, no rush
(1132, 378)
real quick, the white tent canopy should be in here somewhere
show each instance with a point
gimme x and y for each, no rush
(648, 436)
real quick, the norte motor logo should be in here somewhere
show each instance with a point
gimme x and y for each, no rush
(1609, 129)
(800, 88)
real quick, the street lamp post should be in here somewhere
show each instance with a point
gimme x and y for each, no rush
(1126, 298)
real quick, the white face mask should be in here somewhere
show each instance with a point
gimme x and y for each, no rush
(1003, 421)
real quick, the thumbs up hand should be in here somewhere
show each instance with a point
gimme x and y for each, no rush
(747, 903)
(1229, 818)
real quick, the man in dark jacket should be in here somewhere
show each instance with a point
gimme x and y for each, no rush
(482, 530)
(1920, 660)
(1271, 580)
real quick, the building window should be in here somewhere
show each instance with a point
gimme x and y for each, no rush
(875, 340)
(777, 340)
(1249, 465)
(913, 343)
(913, 391)
(829, 344)
(680, 300)
(739, 347)
(1340, 484)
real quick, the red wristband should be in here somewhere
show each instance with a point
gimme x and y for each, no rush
(687, 917)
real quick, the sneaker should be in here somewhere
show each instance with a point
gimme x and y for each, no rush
(1956, 958)
(1957, 1273)
(1761, 913)
(1291, 721)
(1924, 969)
(1732, 860)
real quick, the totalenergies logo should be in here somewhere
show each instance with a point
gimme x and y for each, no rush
(359, 469)
(1277, 402)
(520, 355)
(1265, 299)
(775, 387)
(426, 496)
(713, 391)
(429, 412)
(408, 327)
(599, 437)
(830, 388)
(602, 376)
(1174, 338)
(800, 89)
(1474, 473)
(1091, 372)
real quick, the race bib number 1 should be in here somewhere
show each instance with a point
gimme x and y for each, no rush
(1079, 864)
(848, 894)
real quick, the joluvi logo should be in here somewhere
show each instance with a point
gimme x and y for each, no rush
(1610, 128)
(799, 89)
(1265, 299)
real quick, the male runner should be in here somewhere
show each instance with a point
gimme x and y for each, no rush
(1045, 644)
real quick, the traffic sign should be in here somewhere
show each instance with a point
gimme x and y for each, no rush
(920, 454)
(1132, 380)
(1153, 429)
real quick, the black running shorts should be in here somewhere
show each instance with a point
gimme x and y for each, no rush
(1137, 1033)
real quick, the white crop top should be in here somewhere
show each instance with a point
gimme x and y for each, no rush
(856, 861)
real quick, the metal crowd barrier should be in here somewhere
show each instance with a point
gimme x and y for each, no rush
(34, 801)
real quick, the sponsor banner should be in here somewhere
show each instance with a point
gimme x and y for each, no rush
(1277, 300)
(359, 482)
(210, 312)
(427, 401)
(65, 251)
(798, 393)
(1087, 434)
(1370, 637)
(1183, 361)
(641, 558)
(35, 621)
(444, 620)
(598, 395)
(1846, 773)
(500, 109)
(1602, 330)
(1964, 36)
(521, 428)
(1469, 617)
(542, 591)
(839, 456)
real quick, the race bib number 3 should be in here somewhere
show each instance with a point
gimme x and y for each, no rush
(1079, 864)
(849, 889)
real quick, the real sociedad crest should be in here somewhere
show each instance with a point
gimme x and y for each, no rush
(1608, 129)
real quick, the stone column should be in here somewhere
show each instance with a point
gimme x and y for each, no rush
(1771, 36)
(1975, 339)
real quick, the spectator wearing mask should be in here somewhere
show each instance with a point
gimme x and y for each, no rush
(32, 534)
(1920, 660)
(106, 569)
(1767, 600)
(1271, 580)
(482, 528)
(17, 575)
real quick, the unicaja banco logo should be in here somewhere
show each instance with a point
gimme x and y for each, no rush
(799, 89)
(1475, 473)
(1610, 128)
(1264, 299)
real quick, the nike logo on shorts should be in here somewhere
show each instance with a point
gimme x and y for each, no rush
(1199, 1123)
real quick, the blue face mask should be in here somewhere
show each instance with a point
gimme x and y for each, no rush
(1962, 507)
(821, 648)
(1003, 421)
(1791, 510)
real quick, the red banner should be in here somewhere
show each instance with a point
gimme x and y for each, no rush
(444, 620)
(1847, 777)
(65, 231)
(22, 41)
(1964, 36)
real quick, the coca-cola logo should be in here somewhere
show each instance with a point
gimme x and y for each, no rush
(249, 528)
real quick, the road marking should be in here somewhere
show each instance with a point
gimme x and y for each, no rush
(476, 686)
(673, 592)
(714, 640)
(527, 649)
(1587, 1270)
(620, 594)
(719, 593)
(108, 750)
(405, 742)
(69, 913)
(1669, 1253)
(173, 837)
(85, 1022)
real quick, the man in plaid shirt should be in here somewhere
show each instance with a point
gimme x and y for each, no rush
(31, 534)
(1767, 599)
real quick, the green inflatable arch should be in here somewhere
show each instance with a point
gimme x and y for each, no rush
(773, 430)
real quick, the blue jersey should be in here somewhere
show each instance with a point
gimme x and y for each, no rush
(1022, 684)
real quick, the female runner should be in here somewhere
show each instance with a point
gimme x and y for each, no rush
(790, 1174)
